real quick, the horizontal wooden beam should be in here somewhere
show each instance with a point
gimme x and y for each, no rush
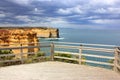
(71, 53)
(67, 46)
(65, 58)
(99, 49)
(97, 56)
(96, 62)
(10, 60)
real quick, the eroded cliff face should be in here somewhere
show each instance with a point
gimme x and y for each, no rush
(43, 32)
(16, 37)
(46, 33)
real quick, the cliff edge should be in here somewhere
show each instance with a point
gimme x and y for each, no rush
(13, 37)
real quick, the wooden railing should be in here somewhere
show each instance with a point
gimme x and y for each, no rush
(81, 52)
(114, 52)
(21, 48)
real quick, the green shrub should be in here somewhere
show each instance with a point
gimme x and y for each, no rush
(68, 56)
(6, 57)
(111, 61)
(40, 53)
(3, 58)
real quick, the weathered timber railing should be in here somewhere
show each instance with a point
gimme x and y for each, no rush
(109, 52)
(113, 57)
(21, 55)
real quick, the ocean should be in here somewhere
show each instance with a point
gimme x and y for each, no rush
(109, 37)
(106, 37)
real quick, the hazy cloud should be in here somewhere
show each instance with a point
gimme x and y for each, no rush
(73, 10)
(61, 13)
(2, 15)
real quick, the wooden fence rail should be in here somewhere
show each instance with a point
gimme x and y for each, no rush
(87, 47)
(81, 48)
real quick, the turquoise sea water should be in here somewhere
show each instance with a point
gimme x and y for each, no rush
(108, 37)
(111, 37)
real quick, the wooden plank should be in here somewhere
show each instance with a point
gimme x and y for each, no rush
(85, 48)
(52, 52)
(118, 66)
(96, 62)
(85, 44)
(116, 59)
(10, 60)
(65, 58)
(98, 56)
(71, 53)
(7, 48)
(21, 54)
(90, 55)
(99, 49)
(7, 55)
(80, 55)
(67, 46)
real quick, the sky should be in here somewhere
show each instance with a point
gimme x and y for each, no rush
(83, 14)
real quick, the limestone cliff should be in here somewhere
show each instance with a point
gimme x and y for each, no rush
(13, 37)
(46, 33)
(43, 32)
(16, 37)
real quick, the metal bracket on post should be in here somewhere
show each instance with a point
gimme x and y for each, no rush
(80, 54)
(52, 51)
(21, 54)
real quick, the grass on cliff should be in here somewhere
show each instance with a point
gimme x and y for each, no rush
(68, 56)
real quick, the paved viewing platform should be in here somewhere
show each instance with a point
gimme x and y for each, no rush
(53, 70)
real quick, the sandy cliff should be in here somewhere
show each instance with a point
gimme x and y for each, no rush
(14, 37)
(46, 33)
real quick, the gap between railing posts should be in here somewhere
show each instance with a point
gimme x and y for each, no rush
(52, 51)
(21, 53)
(80, 54)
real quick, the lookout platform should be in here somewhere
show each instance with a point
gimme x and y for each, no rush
(53, 70)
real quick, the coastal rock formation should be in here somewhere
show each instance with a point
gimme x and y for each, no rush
(14, 38)
(27, 36)
(42, 32)
(46, 32)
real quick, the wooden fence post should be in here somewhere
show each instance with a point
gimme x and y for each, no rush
(115, 60)
(21, 54)
(52, 51)
(80, 54)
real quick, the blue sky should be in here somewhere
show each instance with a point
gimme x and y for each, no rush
(83, 14)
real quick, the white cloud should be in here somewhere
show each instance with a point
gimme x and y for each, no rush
(108, 10)
(24, 18)
(90, 17)
(2, 15)
(103, 2)
(22, 2)
(50, 21)
(106, 21)
(37, 11)
(75, 10)
(26, 2)
(101, 10)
